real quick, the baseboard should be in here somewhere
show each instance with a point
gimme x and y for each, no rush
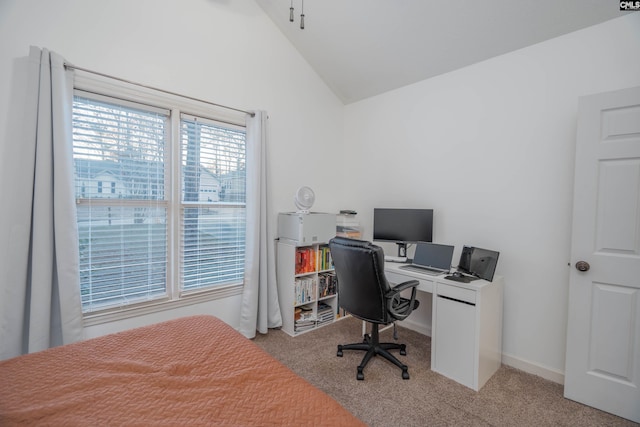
(533, 368)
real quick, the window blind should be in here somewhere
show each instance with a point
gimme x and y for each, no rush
(213, 198)
(119, 151)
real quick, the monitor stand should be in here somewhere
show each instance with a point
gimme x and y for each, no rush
(402, 249)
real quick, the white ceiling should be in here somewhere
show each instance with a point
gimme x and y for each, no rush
(362, 48)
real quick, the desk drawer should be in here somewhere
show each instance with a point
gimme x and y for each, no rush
(396, 278)
(457, 293)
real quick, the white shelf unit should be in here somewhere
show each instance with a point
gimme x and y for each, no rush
(305, 290)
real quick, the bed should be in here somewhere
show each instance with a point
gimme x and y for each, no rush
(190, 371)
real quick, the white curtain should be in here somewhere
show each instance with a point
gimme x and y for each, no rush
(260, 308)
(39, 280)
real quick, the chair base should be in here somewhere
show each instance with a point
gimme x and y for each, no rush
(372, 345)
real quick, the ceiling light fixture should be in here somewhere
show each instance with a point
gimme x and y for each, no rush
(301, 14)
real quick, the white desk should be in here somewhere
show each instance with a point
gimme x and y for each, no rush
(466, 324)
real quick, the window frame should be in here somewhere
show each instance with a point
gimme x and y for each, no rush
(177, 106)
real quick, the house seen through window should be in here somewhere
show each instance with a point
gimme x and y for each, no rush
(145, 199)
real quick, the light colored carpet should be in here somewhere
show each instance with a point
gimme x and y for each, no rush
(510, 398)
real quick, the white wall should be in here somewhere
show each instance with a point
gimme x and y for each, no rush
(227, 52)
(491, 148)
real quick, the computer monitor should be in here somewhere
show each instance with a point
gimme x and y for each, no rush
(402, 226)
(478, 262)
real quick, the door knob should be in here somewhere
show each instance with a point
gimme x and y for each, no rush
(582, 266)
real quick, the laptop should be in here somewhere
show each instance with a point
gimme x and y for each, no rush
(431, 258)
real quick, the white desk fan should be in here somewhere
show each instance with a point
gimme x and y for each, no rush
(304, 199)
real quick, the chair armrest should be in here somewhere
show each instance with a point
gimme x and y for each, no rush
(393, 297)
(401, 287)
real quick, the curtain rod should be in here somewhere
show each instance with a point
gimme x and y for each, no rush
(73, 67)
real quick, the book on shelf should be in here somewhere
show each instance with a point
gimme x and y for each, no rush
(305, 260)
(301, 328)
(304, 290)
(325, 313)
(303, 312)
(323, 306)
(304, 319)
(327, 284)
(324, 258)
(300, 314)
(326, 317)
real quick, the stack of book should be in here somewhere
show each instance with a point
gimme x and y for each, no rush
(304, 319)
(325, 314)
(348, 226)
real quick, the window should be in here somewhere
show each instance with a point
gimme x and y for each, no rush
(160, 205)
(212, 234)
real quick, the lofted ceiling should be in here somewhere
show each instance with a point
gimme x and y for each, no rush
(362, 48)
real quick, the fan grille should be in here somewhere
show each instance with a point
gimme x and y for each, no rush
(304, 199)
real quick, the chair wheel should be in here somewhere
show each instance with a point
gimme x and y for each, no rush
(360, 375)
(339, 354)
(403, 350)
(405, 374)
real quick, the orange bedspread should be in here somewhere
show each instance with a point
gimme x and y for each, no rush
(190, 371)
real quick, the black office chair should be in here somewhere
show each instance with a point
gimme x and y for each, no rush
(363, 291)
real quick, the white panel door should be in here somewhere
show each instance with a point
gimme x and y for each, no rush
(603, 334)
